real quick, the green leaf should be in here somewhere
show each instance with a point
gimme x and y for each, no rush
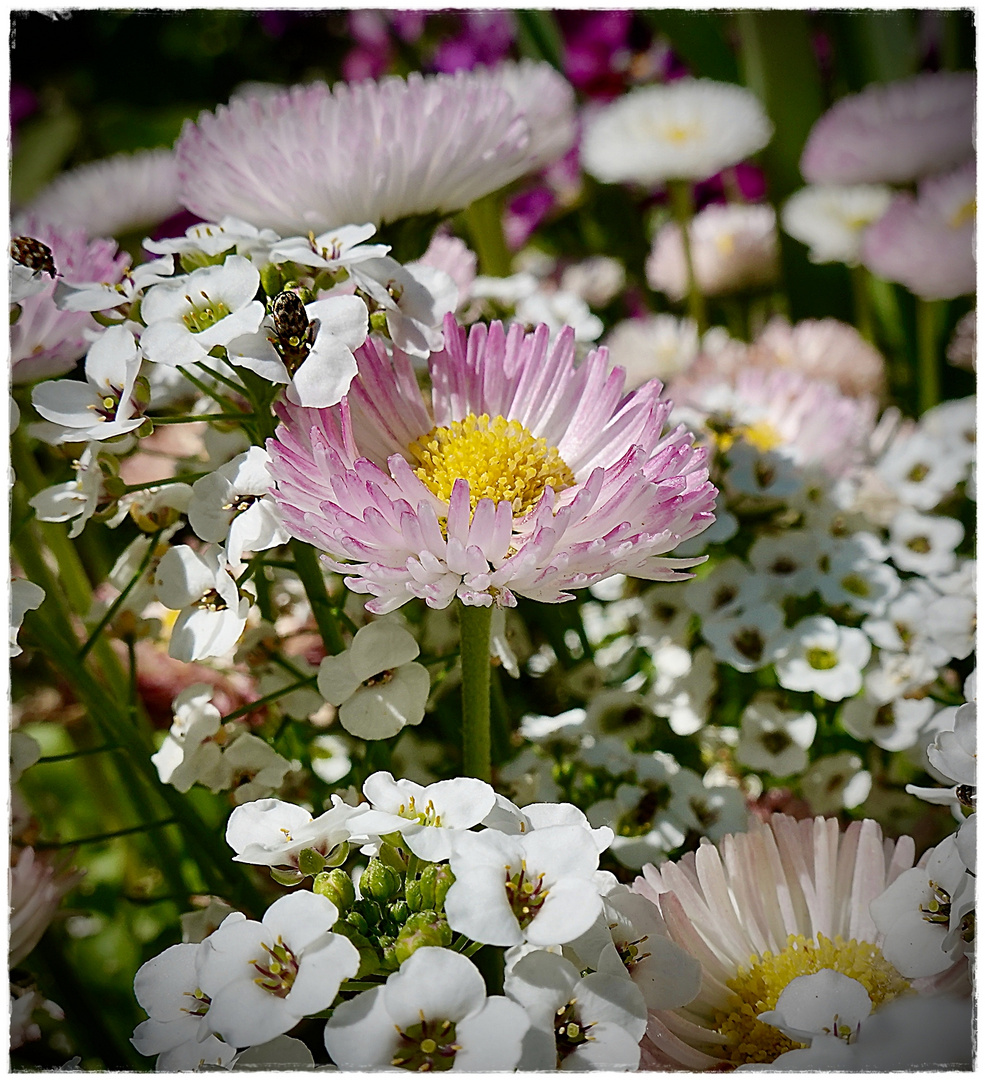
(538, 37)
(699, 39)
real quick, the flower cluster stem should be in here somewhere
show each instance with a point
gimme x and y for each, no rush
(682, 204)
(310, 573)
(476, 628)
(485, 225)
(928, 362)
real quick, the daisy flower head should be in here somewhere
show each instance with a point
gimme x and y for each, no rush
(315, 157)
(523, 474)
(689, 129)
(895, 132)
(734, 247)
(830, 218)
(785, 899)
(927, 243)
(116, 195)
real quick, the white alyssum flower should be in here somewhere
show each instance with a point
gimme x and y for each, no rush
(825, 1003)
(817, 654)
(188, 316)
(954, 423)
(190, 752)
(337, 249)
(177, 1028)
(893, 725)
(729, 586)
(597, 280)
(897, 674)
(784, 563)
(685, 684)
(431, 1015)
(263, 977)
(508, 818)
(688, 129)
(213, 611)
(856, 575)
(25, 596)
(321, 367)
(578, 1023)
(748, 638)
(558, 308)
(924, 543)
(773, 739)
(375, 684)
(830, 218)
(425, 816)
(902, 627)
(230, 235)
(922, 914)
(269, 832)
(74, 500)
(919, 470)
(954, 753)
(228, 506)
(836, 782)
(951, 622)
(100, 296)
(537, 887)
(106, 404)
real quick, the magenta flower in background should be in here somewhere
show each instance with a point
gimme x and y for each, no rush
(45, 341)
(523, 475)
(927, 243)
(895, 132)
(486, 37)
(596, 50)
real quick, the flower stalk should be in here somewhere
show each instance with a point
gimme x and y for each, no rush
(476, 627)
(682, 204)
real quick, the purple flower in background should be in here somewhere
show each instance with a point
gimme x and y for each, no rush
(486, 38)
(597, 50)
(23, 102)
(372, 54)
(740, 183)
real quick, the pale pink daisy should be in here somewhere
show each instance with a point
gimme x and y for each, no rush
(523, 474)
(45, 341)
(927, 243)
(821, 349)
(116, 195)
(787, 898)
(894, 133)
(315, 157)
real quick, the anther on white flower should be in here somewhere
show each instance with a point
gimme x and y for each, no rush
(430, 1016)
(188, 316)
(229, 505)
(213, 611)
(578, 1023)
(107, 404)
(378, 689)
(178, 1028)
(425, 816)
(817, 654)
(263, 977)
(536, 887)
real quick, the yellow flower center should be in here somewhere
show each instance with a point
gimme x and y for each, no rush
(756, 989)
(500, 459)
(763, 436)
(963, 215)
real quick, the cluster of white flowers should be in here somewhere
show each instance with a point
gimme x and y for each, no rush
(578, 977)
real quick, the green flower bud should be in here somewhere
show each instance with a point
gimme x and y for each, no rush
(311, 862)
(399, 912)
(377, 322)
(369, 960)
(370, 911)
(422, 928)
(114, 486)
(194, 260)
(357, 921)
(392, 853)
(379, 881)
(414, 894)
(436, 880)
(338, 887)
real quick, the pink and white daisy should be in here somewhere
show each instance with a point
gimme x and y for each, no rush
(45, 341)
(927, 243)
(120, 194)
(787, 898)
(894, 133)
(316, 157)
(523, 474)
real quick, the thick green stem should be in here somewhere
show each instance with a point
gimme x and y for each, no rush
(485, 224)
(928, 362)
(476, 626)
(682, 204)
(864, 318)
(310, 572)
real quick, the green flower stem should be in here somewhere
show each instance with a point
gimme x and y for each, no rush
(310, 572)
(476, 626)
(864, 318)
(71, 755)
(485, 224)
(928, 362)
(269, 698)
(158, 421)
(100, 838)
(682, 204)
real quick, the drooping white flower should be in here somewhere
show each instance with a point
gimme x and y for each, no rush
(817, 654)
(269, 832)
(378, 688)
(537, 887)
(177, 1028)
(578, 1023)
(688, 129)
(773, 739)
(263, 977)
(213, 610)
(954, 753)
(188, 316)
(228, 506)
(430, 1016)
(425, 816)
(190, 752)
(75, 500)
(210, 239)
(830, 218)
(24, 596)
(106, 404)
